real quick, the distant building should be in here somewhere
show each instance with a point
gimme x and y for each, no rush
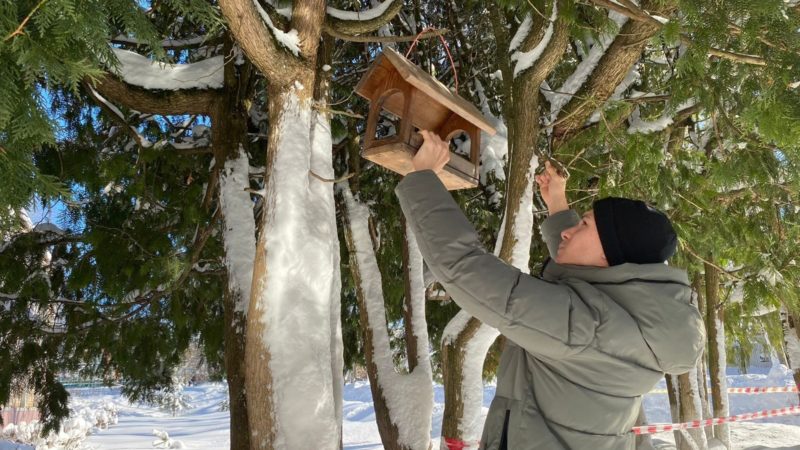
(21, 407)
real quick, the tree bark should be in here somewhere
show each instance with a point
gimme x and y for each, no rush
(297, 135)
(234, 373)
(386, 428)
(674, 406)
(690, 410)
(229, 136)
(702, 383)
(715, 322)
(397, 431)
(791, 341)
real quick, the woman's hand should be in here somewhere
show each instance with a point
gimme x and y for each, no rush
(434, 153)
(553, 187)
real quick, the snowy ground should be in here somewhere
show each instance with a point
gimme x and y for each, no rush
(203, 425)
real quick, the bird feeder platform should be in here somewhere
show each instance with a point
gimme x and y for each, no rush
(419, 101)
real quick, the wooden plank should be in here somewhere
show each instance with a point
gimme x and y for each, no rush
(458, 174)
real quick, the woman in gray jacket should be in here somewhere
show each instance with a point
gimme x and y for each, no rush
(585, 340)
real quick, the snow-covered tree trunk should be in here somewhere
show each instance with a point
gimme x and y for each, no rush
(293, 356)
(791, 341)
(239, 237)
(293, 352)
(403, 402)
(536, 50)
(717, 360)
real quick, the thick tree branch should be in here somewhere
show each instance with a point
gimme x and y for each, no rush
(609, 72)
(308, 18)
(337, 27)
(257, 40)
(182, 101)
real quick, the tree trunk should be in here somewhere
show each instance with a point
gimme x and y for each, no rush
(293, 355)
(791, 340)
(715, 320)
(229, 135)
(466, 340)
(702, 383)
(674, 406)
(234, 373)
(695, 438)
(394, 395)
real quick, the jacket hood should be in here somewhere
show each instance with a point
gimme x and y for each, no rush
(658, 297)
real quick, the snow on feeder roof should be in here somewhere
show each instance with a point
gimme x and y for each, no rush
(418, 101)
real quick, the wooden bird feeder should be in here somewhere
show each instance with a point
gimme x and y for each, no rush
(420, 102)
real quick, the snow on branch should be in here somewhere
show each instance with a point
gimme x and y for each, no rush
(526, 60)
(141, 140)
(137, 70)
(368, 14)
(585, 68)
(289, 39)
(521, 34)
(637, 125)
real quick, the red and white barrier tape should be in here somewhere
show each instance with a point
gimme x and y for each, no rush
(456, 444)
(745, 390)
(659, 427)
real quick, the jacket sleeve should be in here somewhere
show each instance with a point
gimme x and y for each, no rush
(554, 225)
(544, 318)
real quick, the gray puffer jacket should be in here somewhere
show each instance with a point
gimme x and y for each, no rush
(584, 343)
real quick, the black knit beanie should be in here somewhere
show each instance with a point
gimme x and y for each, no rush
(633, 232)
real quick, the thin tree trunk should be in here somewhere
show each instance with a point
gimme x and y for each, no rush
(674, 405)
(229, 135)
(690, 410)
(791, 341)
(234, 373)
(412, 340)
(702, 383)
(715, 321)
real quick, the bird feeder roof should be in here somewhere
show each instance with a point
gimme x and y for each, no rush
(427, 84)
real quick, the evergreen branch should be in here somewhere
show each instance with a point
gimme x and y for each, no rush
(688, 248)
(636, 13)
(18, 31)
(731, 56)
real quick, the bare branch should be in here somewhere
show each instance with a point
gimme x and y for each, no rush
(371, 38)
(356, 27)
